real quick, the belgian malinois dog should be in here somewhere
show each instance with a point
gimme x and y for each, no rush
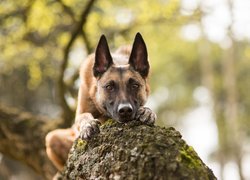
(112, 86)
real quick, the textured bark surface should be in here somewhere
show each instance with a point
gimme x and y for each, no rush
(135, 151)
(22, 137)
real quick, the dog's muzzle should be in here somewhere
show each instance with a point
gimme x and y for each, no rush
(125, 112)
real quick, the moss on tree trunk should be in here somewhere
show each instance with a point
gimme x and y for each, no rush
(135, 151)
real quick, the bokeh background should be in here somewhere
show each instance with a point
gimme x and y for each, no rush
(200, 67)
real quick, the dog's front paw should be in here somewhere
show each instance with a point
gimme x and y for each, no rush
(88, 126)
(146, 115)
(89, 129)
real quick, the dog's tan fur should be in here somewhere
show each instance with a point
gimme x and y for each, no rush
(93, 95)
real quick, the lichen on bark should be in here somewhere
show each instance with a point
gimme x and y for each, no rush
(135, 151)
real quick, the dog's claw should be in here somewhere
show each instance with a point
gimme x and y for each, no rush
(89, 129)
(146, 115)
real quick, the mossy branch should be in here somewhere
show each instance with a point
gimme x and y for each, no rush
(135, 151)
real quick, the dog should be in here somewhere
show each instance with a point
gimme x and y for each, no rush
(112, 86)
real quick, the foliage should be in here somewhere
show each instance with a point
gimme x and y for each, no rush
(37, 38)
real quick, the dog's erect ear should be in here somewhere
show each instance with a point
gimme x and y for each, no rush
(103, 59)
(139, 56)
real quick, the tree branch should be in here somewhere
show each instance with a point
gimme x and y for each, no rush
(87, 42)
(67, 10)
(67, 112)
(22, 137)
(89, 50)
(20, 12)
(135, 151)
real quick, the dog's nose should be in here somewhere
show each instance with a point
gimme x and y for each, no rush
(125, 110)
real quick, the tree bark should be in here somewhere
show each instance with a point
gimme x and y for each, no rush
(120, 151)
(22, 137)
(135, 151)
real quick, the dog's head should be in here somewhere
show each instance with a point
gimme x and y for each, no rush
(121, 89)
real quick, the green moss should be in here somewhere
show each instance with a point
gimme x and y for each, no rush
(133, 150)
(108, 123)
(81, 145)
(189, 157)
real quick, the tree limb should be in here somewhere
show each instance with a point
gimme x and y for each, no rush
(87, 42)
(128, 151)
(69, 84)
(67, 112)
(135, 151)
(22, 137)
(67, 9)
(20, 12)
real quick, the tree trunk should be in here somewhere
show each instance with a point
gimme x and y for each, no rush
(120, 151)
(135, 151)
(232, 107)
(22, 137)
(207, 80)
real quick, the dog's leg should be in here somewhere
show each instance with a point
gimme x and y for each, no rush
(146, 115)
(58, 144)
(86, 126)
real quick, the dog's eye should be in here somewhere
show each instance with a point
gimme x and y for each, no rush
(135, 86)
(109, 87)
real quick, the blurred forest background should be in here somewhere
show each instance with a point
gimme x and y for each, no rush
(200, 61)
